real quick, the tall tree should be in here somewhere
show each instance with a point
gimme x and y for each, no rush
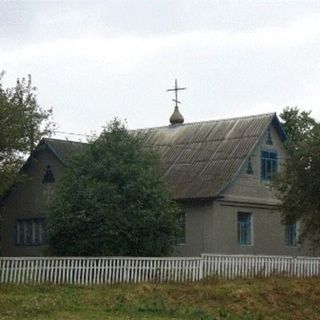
(22, 124)
(113, 201)
(298, 184)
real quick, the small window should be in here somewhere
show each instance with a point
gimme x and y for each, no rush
(48, 176)
(291, 235)
(244, 228)
(30, 232)
(269, 137)
(249, 167)
(269, 165)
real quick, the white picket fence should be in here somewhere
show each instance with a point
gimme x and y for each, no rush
(87, 271)
(248, 266)
(109, 270)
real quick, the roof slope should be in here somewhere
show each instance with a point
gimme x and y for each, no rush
(198, 160)
(64, 149)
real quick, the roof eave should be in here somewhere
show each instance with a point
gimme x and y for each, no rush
(191, 199)
(276, 122)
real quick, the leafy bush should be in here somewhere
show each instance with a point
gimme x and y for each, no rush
(113, 201)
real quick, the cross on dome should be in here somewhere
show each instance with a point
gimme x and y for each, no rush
(176, 117)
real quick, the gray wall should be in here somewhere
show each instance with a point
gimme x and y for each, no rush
(251, 194)
(212, 226)
(29, 200)
(199, 221)
(268, 233)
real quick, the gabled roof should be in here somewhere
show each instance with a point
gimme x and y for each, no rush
(63, 149)
(198, 160)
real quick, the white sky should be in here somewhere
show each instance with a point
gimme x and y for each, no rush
(92, 61)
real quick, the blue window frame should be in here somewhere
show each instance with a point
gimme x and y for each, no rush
(269, 164)
(30, 232)
(244, 228)
(291, 235)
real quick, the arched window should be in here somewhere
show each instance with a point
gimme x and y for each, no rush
(269, 137)
(48, 176)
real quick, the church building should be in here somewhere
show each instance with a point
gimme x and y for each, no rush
(219, 171)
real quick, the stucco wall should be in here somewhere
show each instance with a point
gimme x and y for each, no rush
(199, 221)
(268, 234)
(212, 227)
(28, 201)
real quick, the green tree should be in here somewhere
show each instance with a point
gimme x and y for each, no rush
(298, 183)
(22, 124)
(113, 201)
(299, 127)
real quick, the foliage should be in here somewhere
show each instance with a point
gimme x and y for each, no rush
(298, 184)
(275, 298)
(112, 201)
(22, 124)
(298, 126)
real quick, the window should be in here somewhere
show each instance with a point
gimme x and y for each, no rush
(181, 238)
(249, 167)
(269, 164)
(48, 176)
(269, 137)
(244, 228)
(30, 232)
(291, 235)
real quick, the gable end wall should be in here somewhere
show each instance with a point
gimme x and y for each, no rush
(29, 200)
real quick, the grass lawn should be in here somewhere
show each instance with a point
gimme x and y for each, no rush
(212, 299)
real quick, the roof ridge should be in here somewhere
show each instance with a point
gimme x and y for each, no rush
(62, 140)
(206, 121)
(174, 126)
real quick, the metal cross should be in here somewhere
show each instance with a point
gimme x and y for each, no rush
(176, 89)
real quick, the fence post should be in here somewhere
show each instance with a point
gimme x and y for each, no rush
(201, 267)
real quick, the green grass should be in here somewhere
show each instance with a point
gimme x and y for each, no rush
(212, 299)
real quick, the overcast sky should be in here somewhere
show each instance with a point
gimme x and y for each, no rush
(92, 61)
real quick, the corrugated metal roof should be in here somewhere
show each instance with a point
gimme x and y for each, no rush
(198, 160)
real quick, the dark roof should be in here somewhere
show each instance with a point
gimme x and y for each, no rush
(198, 160)
(63, 149)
